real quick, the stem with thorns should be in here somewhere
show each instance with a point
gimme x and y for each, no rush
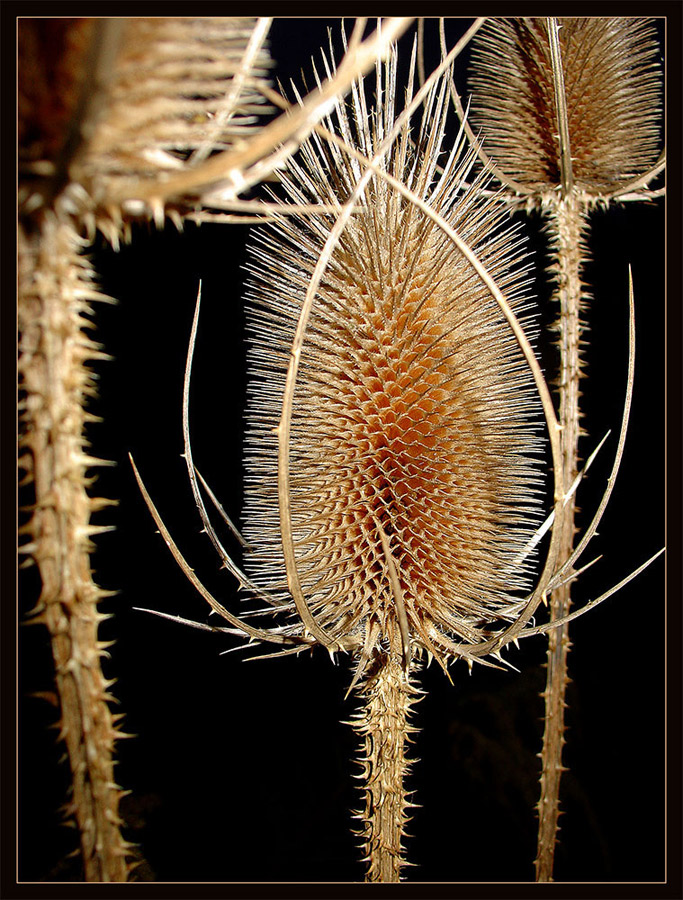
(565, 224)
(388, 694)
(55, 290)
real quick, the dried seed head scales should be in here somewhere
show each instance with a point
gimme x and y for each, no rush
(414, 412)
(612, 86)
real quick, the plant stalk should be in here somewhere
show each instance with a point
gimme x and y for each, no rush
(55, 290)
(388, 695)
(566, 227)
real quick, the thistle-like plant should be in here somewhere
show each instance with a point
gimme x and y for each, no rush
(405, 427)
(355, 575)
(390, 497)
(569, 110)
(119, 120)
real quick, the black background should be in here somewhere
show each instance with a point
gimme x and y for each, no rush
(242, 771)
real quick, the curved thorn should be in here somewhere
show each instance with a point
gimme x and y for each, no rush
(187, 452)
(542, 629)
(369, 642)
(641, 181)
(279, 653)
(221, 511)
(470, 652)
(200, 626)
(249, 630)
(538, 534)
(573, 574)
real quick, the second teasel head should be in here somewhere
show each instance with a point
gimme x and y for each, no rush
(612, 87)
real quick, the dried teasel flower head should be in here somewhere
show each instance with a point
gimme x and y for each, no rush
(108, 105)
(51, 64)
(414, 446)
(612, 88)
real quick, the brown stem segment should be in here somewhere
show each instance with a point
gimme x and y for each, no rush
(55, 287)
(388, 694)
(566, 226)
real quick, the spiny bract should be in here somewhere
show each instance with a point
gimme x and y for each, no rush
(414, 435)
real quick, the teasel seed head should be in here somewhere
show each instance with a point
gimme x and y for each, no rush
(612, 87)
(415, 426)
(128, 102)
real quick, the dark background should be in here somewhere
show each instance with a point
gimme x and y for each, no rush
(242, 771)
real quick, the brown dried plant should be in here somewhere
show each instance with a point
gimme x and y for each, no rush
(119, 120)
(569, 111)
(394, 490)
(391, 510)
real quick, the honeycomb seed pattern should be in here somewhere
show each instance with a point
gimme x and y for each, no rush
(414, 411)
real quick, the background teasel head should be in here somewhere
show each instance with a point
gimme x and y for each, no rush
(612, 86)
(108, 106)
(414, 433)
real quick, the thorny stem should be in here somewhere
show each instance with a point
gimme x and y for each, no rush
(55, 290)
(565, 224)
(382, 723)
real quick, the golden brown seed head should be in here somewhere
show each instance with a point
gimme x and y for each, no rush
(612, 85)
(414, 414)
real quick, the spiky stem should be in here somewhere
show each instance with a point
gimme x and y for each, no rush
(565, 225)
(382, 723)
(55, 288)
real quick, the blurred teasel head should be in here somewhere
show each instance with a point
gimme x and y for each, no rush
(110, 108)
(414, 443)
